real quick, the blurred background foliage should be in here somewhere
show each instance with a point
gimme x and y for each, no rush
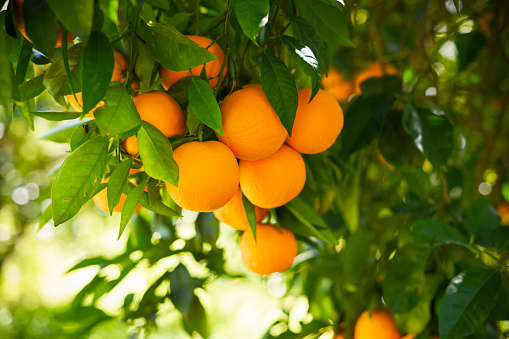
(183, 278)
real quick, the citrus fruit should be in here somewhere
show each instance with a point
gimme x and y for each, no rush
(101, 198)
(503, 212)
(20, 23)
(208, 176)
(212, 67)
(234, 215)
(273, 181)
(379, 324)
(317, 123)
(251, 127)
(337, 85)
(272, 252)
(160, 110)
(375, 70)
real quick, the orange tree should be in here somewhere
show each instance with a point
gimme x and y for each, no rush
(396, 217)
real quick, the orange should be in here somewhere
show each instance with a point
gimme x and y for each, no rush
(340, 336)
(275, 180)
(101, 198)
(337, 85)
(375, 70)
(121, 66)
(234, 215)
(251, 127)
(317, 124)
(378, 325)
(213, 67)
(160, 110)
(503, 212)
(208, 176)
(272, 252)
(20, 23)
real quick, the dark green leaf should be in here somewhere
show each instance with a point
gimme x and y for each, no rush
(204, 104)
(279, 87)
(435, 233)
(130, 205)
(307, 212)
(482, 218)
(23, 60)
(98, 62)
(56, 115)
(78, 178)
(180, 90)
(468, 301)
(76, 15)
(468, 45)
(116, 183)
(252, 16)
(55, 77)
(157, 154)
(145, 65)
(173, 50)
(385, 85)
(153, 191)
(250, 212)
(31, 88)
(164, 4)
(196, 319)
(320, 234)
(110, 9)
(457, 5)
(192, 121)
(499, 237)
(432, 133)
(182, 288)
(180, 20)
(41, 26)
(82, 134)
(358, 252)
(119, 115)
(5, 71)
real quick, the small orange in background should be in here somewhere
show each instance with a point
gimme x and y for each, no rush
(101, 198)
(503, 212)
(208, 176)
(272, 252)
(213, 67)
(379, 324)
(251, 127)
(317, 123)
(273, 181)
(375, 70)
(337, 85)
(234, 215)
(160, 110)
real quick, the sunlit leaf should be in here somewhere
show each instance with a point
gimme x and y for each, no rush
(252, 16)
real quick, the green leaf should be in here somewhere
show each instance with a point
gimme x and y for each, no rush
(307, 212)
(482, 218)
(432, 134)
(6, 79)
(357, 255)
(204, 104)
(23, 60)
(329, 20)
(164, 4)
(173, 50)
(279, 87)
(404, 278)
(436, 233)
(56, 115)
(308, 35)
(82, 134)
(78, 178)
(157, 154)
(250, 212)
(468, 45)
(116, 183)
(304, 57)
(76, 15)
(182, 287)
(119, 115)
(252, 16)
(110, 9)
(145, 66)
(320, 234)
(499, 237)
(62, 133)
(46, 216)
(55, 77)
(457, 5)
(31, 88)
(130, 205)
(385, 85)
(98, 63)
(41, 26)
(24, 109)
(468, 301)
(192, 121)
(153, 191)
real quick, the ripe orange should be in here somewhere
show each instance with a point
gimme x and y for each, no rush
(213, 67)
(20, 23)
(101, 198)
(503, 212)
(272, 252)
(234, 215)
(208, 176)
(378, 325)
(375, 70)
(317, 124)
(337, 85)
(275, 180)
(251, 127)
(160, 110)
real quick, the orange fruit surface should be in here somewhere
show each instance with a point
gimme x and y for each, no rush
(272, 252)
(337, 85)
(20, 23)
(251, 127)
(160, 110)
(234, 215)
(317, 124)
(379, 324)
(503, 212)
(208, 176)
(101, 198)
(375, 70)
(213, 67)
(273, 181)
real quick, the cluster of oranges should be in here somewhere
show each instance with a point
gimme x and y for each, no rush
(378, 324)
